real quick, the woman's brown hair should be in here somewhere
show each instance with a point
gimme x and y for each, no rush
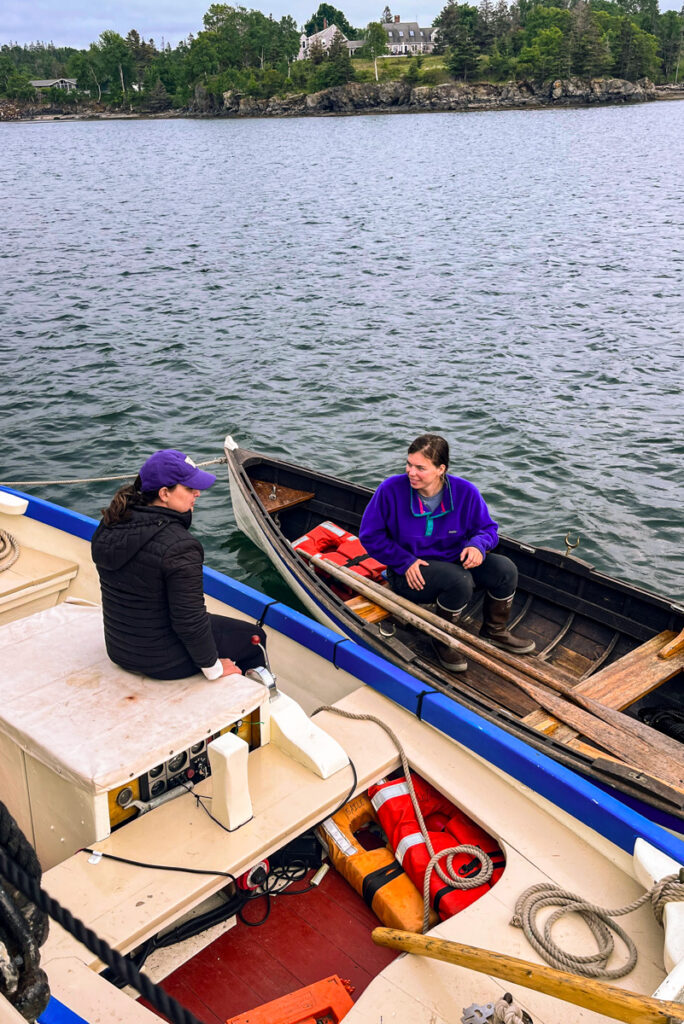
(433, 446)
(119, 509)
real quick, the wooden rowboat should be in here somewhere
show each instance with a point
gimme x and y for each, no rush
(79, 738)
(610, 656)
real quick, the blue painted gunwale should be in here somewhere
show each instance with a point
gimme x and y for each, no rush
(563, 787)
(57, 1013)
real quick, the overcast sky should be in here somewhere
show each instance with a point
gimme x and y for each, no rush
(79, 22)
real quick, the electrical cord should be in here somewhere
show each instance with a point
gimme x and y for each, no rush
(159, 867)
(271, 885)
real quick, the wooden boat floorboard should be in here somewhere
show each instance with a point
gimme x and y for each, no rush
(305, 938)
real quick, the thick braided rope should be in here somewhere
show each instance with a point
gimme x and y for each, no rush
(507, 1013)
(123, 967)
(448, 876)
(597, 919)
(9, 550)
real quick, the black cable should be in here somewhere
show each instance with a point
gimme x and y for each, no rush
(256, 924)
(159, 867)
(155, 995)
(350, 794)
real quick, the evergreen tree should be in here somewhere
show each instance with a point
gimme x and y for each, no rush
(457, 26)
(329, 15)
(340, 68)
(316, 52)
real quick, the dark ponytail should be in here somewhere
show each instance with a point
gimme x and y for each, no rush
(124, 500)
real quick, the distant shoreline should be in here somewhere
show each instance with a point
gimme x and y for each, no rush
(384, 98)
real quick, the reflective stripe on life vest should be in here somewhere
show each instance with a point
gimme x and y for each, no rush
(341, 547)
(375, 874)
(388, 793)
(447, 827)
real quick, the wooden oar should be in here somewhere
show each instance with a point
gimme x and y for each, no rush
(634, 750)
(594, 995)
(525, 666)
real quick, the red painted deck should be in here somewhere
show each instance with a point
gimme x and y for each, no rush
(306, 938)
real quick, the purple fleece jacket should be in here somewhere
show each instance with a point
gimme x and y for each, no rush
(396, 530)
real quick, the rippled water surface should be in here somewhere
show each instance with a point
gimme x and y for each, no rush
(325, 289)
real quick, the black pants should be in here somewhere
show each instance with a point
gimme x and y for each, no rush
(453, 586)
(233, 640)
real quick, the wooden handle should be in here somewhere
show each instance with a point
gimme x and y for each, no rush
(593, 995)
(674, 647)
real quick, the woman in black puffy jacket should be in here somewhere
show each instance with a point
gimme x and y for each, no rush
(150, 569)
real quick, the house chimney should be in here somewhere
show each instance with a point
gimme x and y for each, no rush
(325, 24)
(397, 19)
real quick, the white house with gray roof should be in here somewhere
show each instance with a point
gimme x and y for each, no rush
(68, 84)
(407, 37)
(324, 37)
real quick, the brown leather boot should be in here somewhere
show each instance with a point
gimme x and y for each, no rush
(448, 656)
(495, 614)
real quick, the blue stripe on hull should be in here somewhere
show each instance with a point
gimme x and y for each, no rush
(57, 1013)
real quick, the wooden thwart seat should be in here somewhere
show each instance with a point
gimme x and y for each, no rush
(367, 610)
(276, 497)
(34, 582)
(620, 684)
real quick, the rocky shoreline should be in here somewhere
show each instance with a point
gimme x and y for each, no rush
(357, 97)
(388, 97)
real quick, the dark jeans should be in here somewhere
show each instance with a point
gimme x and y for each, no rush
(233, 640)
(453, 586)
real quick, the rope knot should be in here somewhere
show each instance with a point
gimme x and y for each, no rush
(507, 1011)
(668, 890)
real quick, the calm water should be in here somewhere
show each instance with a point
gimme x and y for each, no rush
(325, 289)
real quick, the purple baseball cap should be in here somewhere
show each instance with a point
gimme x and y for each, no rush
(169, 467)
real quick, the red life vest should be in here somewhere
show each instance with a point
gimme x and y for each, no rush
(447, 826)
(340, 547)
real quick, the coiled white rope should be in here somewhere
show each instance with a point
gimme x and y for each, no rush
(9, 550)
(447, 874)
(90, 479)
(598, 920)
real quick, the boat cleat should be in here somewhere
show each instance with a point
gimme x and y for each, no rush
(475, 1014)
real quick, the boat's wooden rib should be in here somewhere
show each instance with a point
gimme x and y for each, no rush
(602, 658)
(562, 633)
(517, 619)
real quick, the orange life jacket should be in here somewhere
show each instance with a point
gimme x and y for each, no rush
(375, 874)
(447, 826)
(341, 547)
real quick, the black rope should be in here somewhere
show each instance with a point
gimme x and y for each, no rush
(342, 640)
(419, 706)
(155, 995)
(260, 620)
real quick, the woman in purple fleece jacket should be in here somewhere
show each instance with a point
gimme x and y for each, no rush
(434, 533)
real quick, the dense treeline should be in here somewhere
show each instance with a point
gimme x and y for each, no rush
(545, 39)
(247, 51)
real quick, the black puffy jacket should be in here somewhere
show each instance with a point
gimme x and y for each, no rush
(150, 570)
